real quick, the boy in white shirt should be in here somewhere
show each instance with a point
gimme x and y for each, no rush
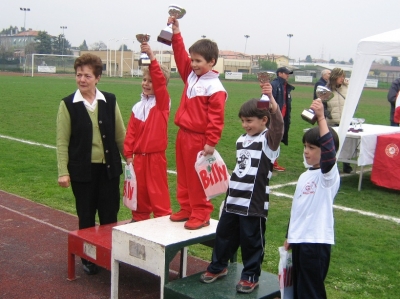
(311, 227)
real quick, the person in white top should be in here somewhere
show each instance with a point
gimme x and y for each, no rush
(311, 226)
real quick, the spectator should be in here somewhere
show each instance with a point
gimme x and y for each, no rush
(281, 91)
(90, 139)
(392, 96)
(338, 86)
(325, 74)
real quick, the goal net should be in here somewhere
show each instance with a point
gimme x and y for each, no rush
(47, 64)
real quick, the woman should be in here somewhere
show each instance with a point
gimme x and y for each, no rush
(90, 136)
(335, 105)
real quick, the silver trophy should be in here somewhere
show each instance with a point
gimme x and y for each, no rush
(144, 60)
(323, 93)
(165, 36)
(264, 77)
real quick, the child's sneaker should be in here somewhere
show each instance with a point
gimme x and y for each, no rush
(182, 215)
(208, 277)
(194, 223)
(245, 286)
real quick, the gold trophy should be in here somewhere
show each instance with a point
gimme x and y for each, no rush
(144, 60)
(264, 77)
(165, 36)
(325, 94)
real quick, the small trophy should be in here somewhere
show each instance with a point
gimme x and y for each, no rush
(144, 60)
(264, 77)
(165, 36)
(325, 95)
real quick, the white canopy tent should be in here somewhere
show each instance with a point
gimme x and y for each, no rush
(384, 44)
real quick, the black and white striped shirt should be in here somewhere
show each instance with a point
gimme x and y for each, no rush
(248, 192)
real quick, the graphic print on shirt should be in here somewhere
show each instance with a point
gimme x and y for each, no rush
(244, 163)
(309, 188)
(200, 90)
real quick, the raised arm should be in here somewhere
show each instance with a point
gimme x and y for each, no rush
(275, 130)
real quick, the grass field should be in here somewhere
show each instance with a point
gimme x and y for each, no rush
(365, 259)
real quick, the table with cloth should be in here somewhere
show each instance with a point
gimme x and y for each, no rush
(359, 147)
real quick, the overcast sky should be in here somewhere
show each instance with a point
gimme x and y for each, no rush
(322, 29)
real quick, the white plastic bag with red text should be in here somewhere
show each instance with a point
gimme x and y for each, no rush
(213, 174)
(285, 273)
(130, 191)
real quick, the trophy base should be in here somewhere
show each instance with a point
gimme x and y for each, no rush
(263, 105)
(309, 116)
(144, 61)
(165, 37)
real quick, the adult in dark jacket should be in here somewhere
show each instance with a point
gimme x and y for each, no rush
(392, 95)
(90, 137)
(281, 91)
(325, 74)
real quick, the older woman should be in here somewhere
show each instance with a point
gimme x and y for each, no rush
(90, 136)
(335, 105)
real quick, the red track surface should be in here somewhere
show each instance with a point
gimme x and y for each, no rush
(33, 258)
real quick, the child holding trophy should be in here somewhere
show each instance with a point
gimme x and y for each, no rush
(243, 219)
(146, 141)
(200, 118)
(311, 226)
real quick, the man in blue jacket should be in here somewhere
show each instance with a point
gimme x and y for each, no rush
(281, 91)
(325, 74)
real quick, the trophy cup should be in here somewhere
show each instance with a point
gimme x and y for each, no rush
(325, 95)
(264, 77)
(144, 60)
(165, 36)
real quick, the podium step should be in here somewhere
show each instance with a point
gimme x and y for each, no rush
(191, 287)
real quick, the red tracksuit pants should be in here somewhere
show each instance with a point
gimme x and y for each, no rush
(190, 192)
(152, 186)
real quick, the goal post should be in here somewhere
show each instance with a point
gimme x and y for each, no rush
(50, 64)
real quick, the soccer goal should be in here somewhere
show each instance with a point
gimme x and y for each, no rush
(37, 64)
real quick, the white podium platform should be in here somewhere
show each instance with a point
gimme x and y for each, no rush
(152, 244)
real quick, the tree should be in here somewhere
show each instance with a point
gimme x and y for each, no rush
(332, 61)
(6, 53)
(308, 58)
(351, 61)
(98, 46)
(61, 45)
(268, 65)
(83, 46)
(125, 48)
(10, 30)
(395, 61)
(43, 43)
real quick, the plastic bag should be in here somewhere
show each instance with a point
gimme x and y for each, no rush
(285, 273)
(213, 174)
(130, 190)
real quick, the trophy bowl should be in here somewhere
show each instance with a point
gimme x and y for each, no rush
(324, 94)
(165, 36)
(144, 60)
(264, 77)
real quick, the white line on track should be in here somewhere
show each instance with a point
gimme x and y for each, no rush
(27, 141)
(279, 194)
(35, 219)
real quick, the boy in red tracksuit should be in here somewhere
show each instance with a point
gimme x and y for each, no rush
(146, 141)
(200, 118)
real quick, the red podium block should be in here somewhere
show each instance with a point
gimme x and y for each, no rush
(386, 167)
(93, 244)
